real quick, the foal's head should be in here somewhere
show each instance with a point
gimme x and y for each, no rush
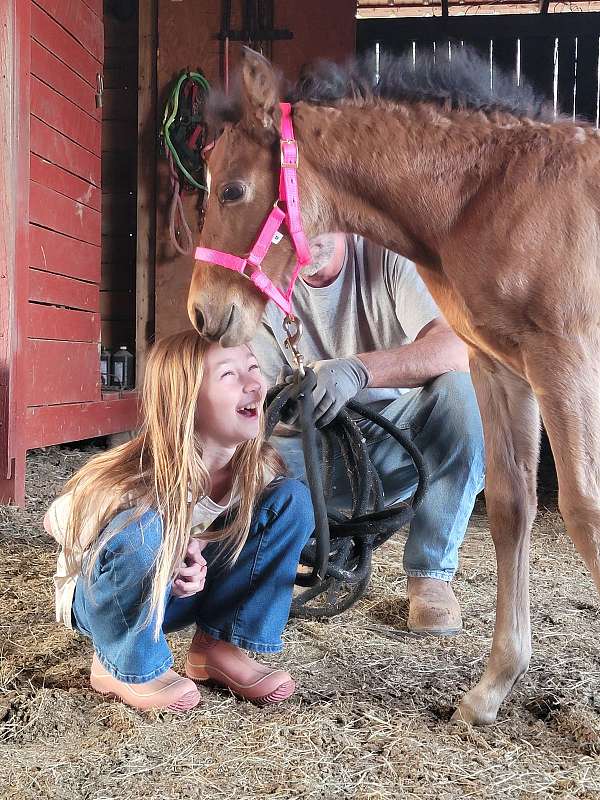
(244, 170)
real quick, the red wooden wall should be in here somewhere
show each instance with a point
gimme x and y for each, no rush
(54, 392)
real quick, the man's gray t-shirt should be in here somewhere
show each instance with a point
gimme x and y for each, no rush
(377, 302)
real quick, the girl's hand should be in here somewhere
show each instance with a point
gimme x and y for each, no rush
(192, 573)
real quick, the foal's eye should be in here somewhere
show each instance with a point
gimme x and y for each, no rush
(232, 192)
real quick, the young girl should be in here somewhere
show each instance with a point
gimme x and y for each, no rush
(140, 555)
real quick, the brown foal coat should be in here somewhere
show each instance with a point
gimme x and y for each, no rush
(500, 214)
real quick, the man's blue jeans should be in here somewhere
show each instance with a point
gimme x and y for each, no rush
(247, 603)
(443, 420)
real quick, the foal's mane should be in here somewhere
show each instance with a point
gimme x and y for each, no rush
(460, 83)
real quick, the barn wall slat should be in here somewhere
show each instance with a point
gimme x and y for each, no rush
(46, 67)
(60, 213)
(65, 117)
(49, 33)
(53, 146)
(44, 287)
(69, 423)
(80, 21)
(61, 372)
(49, 322)
(63, 182)
(53, 252)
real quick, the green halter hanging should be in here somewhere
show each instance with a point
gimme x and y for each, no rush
(174, 118)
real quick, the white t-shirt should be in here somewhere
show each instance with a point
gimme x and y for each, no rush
(377, 302)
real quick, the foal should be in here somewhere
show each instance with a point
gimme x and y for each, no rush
(498, 204)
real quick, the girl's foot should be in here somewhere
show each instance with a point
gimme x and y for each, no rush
(222, 662)
(169, 691)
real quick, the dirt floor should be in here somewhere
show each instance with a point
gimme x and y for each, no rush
(369, 721)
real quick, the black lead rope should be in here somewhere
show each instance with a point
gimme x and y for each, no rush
(338, 554)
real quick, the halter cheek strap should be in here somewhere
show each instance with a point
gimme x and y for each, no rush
(269, 233)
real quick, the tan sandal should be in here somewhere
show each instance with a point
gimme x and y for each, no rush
(225, 664)
(169, 691)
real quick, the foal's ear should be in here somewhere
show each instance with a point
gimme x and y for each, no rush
(260, 96)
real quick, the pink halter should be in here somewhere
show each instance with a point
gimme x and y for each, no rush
(269, 234)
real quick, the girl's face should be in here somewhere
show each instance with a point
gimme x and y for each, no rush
(230, 397)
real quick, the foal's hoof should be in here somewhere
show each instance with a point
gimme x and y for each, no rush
(473, 713)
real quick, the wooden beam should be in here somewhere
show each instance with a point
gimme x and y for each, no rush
(146, 184)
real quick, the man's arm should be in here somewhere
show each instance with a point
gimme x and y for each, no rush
(435, 350)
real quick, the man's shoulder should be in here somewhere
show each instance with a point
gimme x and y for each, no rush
(379, 260)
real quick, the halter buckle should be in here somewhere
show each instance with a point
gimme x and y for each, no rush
(285, 163)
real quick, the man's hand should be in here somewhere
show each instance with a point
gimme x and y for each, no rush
(338, 380)
(192, 573)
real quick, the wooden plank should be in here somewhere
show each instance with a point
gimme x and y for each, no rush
(63, 182)
(146, 185)
(8, 266)
(44, 287)
(121, 77)
(65, 117)
(60, 213)
(15, 62)
(80, 21)
(49, 33)
(49, 322)
(47, 425)
(96, 6)
(587, 77)
(53, 252)
(566, 74)
(61, 372)
(50, 70)
(53, 146)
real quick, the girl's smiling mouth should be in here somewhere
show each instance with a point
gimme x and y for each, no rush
(250, 410)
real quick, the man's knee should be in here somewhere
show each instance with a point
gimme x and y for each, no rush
(455, 396)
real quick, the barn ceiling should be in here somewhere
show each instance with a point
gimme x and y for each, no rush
(368, 9)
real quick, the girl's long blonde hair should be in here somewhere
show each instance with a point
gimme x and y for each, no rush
(162, 469)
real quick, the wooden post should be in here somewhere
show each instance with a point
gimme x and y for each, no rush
(146, 183)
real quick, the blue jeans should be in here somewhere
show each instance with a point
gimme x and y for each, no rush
(246, 603)
(443, 420)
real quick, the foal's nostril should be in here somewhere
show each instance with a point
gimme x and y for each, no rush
(199, 319)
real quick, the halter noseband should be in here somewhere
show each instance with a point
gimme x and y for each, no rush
(269, 233)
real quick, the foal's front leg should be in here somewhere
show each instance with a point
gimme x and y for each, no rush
(511, 430)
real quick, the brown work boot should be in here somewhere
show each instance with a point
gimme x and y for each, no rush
(433, 607)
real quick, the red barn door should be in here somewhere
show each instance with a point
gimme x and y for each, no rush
(51, 390)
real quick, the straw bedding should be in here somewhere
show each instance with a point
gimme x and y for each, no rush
(369, 721)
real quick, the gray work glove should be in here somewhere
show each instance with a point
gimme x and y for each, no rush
(338, 380)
